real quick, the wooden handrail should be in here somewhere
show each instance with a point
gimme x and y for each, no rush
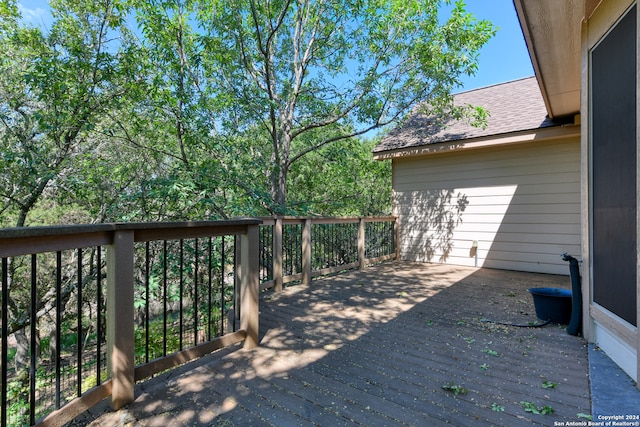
(30, 240)
(119, 240)
(306, 274)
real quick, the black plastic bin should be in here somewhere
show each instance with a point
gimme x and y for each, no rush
(552, 304)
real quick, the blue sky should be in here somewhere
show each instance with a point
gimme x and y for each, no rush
(504, 58)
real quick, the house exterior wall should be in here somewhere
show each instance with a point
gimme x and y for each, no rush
(617, 337)
(513, 207)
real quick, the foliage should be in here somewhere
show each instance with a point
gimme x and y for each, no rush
(151, 110)
(455, 389)
(54, 89)
(497, 407)
(531, 407)
(217, 109)
(359, 185)
(306, 74)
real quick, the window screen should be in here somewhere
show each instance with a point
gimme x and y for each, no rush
(613, 120)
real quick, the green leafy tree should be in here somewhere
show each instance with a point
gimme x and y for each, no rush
(55, 88)
(341, 179)
(176, 121)
(292, 67)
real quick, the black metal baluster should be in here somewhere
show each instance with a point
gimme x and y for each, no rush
(337, 243)
(299, 248)
(324, 237)
(146, 305)
(99, 316)
(373, 234)
(319, 239)
(236, 303)
(351, 237)
(262, 253)
(344, 243)
(222, 261)
(79, 313)
(327, 249)
(32, 342)
(352, 242)
(347, 242)
(388, 243)
(323, 241)
(164, 300)
(334, 232)
(195, 293)
(5, 330)
(394, 242)
(293, 242)
(293, 250)
(209, 297)
(181, 286)
(370, 234)
(339, 234)
(271, 254)
(285, 250)
(289, 254)
(329, 236)
(58, 323)
(292, 258)
(296, 250)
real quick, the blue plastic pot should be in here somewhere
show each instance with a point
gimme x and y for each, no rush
(553, 304)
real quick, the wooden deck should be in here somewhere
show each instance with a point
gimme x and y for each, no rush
(397, 344)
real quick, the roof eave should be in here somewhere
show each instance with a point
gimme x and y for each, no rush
(539, 134)
(552, 32)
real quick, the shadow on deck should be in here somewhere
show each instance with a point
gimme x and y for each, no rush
(376, 348)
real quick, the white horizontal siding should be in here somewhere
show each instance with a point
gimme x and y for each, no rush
(520, 203)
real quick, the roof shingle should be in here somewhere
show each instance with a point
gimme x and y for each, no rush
(512, 106)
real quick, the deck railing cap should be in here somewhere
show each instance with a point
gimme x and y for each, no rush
(51, 230)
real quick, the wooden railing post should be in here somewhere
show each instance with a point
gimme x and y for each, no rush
(306, 252)
(361, 245)
(277, 254)
(249, 283)
(396, 237)
(120, 318)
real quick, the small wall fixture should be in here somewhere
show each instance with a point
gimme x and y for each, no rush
(473, 252)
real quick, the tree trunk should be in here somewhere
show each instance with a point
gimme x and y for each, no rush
(282, 150)
(280, 190)
(21, 360)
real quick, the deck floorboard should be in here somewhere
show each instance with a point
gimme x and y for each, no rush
(376, 348)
